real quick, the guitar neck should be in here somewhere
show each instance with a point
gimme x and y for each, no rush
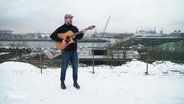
(75, 34)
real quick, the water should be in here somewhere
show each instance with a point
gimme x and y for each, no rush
(48, 44)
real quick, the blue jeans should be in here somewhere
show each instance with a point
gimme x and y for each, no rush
(71, 56)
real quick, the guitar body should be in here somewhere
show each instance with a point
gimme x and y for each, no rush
(69, 37)
(64, 37)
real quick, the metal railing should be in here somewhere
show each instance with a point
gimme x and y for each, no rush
(16, 53)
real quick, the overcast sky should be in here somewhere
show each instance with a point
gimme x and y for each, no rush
(126, 15)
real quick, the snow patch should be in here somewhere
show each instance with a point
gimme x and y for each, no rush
(22, 83)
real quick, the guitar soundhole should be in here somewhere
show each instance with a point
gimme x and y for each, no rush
(67, 38)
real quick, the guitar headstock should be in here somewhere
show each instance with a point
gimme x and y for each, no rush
(91, 27)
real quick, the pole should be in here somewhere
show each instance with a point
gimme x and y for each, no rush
(147, 67)
(40, 61)
(93, 71)
(147, 63)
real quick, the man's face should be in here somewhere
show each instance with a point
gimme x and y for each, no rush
(69, 21)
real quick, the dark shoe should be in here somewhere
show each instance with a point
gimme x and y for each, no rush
(76, 85)
(63, 85)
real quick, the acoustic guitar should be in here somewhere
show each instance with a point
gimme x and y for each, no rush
(68, 37)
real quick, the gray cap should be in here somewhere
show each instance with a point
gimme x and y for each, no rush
(68, 16)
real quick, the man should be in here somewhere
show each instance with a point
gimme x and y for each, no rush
(70, 52)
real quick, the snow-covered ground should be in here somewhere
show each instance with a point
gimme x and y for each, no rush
(22, 83)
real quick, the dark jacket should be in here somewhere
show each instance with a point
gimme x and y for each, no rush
(64, 28)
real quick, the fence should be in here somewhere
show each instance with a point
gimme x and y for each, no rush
(37, 57)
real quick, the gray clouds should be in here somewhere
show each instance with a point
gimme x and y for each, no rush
(126, 15)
